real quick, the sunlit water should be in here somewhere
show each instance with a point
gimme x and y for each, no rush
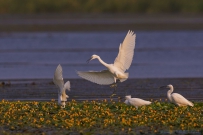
(167, 54)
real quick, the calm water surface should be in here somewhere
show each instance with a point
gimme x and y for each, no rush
(168, 54)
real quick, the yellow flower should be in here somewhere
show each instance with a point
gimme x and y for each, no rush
(41, 119)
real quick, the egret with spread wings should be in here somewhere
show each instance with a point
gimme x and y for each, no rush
(114, 71)
(58, 81)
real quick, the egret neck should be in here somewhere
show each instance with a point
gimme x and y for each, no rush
(102, 62)
(169, 93)
(128, 97)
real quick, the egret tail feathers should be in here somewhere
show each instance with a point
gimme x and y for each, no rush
(148, 102)
(122, 80)
(190, 103)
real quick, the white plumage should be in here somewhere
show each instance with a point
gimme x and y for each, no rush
(136, 101)
(58, 81)
(102, 77)
(117, 70)
(177, 98)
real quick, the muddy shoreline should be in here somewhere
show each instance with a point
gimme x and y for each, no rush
(45, 90)
(99, 22)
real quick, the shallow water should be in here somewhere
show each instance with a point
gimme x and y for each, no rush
(158, 54)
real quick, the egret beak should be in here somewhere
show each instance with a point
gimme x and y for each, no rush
(89, 60)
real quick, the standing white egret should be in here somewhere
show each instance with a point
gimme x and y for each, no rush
(136, 101)
(117, 70)
(176, 98)
(58, 81)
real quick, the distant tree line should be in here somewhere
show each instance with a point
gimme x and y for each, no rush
(100, 6)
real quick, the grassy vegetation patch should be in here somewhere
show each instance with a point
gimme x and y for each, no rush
(104, 116)
(101, 6)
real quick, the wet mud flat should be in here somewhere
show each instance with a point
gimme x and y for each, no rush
(149, 89)
(99, 22)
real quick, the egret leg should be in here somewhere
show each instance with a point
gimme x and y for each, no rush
(115, 87)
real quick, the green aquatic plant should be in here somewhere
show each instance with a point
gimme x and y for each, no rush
(105, 116)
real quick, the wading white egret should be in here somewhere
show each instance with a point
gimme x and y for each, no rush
(176, 98)
(115, 71)
(136, 101)
(58, 81)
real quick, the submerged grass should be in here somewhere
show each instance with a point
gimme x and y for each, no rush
(98, 117)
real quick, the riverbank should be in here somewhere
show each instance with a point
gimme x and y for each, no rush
(99, 22)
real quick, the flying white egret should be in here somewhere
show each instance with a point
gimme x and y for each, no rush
(58, 81)
(114, 71)
(136, 101)
(176, 98)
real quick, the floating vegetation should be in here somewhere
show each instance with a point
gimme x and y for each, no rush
(100, 117)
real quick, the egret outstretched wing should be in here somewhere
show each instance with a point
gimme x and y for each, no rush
(126, 52)
(58, 77)
(67, 85)
(100, 77)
